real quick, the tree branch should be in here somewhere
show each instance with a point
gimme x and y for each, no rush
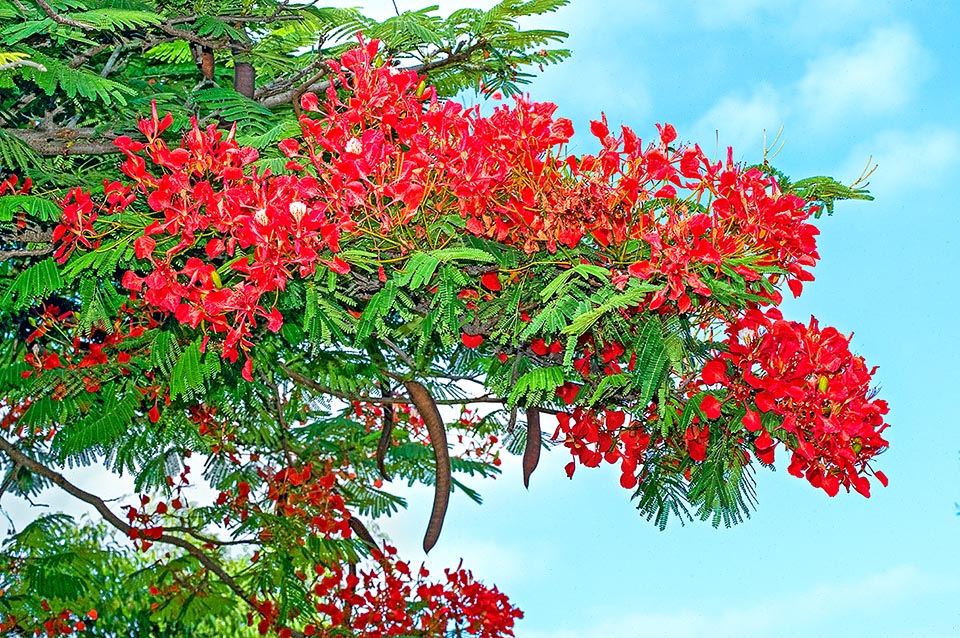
(306, 382)
(189, 36)
(33, 252)
(59, 19)
(315, 85)
(19, 63)
(98, 504)
(65, 141)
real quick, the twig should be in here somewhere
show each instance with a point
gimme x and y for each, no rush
(400, 353)
(208, 539)
(111, 62)
(59, 19)
(19, 63)
(315, 85)
(27, 252)
(310, 384)
(180, 34)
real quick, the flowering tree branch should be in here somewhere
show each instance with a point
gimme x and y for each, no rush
(320, 82)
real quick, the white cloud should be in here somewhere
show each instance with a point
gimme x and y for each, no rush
(906, 160)
(742, 122)
(800, 613)
(879, 75)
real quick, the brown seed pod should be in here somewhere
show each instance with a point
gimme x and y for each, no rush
(362, 532)
(427, 408)
(244, 79)
(531, 452)
(207, 63)
(385, 436)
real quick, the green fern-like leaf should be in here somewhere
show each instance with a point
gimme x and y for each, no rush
(36, 282)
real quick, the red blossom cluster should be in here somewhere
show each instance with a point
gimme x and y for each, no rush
(390, 600)
(593, 436)
(385, 600)
(820, 391)
(392, 159)
(64, 622)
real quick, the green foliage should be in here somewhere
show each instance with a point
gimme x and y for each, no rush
(83, 567)
(36, 282)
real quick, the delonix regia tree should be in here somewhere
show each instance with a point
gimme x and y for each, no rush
(397, 289)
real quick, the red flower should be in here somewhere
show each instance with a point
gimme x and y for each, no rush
(471, 341)
(751, 421)
(710, 407)
(491, 281)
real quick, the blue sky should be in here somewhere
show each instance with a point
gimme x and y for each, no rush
(847, 79)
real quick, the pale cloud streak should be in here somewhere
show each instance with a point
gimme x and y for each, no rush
(741, 122)
(925, 158)
(877, 76)
(786, 614)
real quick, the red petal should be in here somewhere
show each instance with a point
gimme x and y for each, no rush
(274, 320)
(710, 407)
(862, 485)
(751, 421)
(308, 102)
(667, 133)
(471, 341)
(796, 287)
(599, 129)
(765, 401)
(143, 246)
(539, 347)
(491, 281)
(714, 372)
(881, 477)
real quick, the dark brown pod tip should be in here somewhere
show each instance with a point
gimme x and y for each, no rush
(531, 452)
(427, 408)
(362, 532)
(385, 438)
(207, 63)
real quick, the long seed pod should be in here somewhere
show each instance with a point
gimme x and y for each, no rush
(531, 453)
(385, 436)
(362, 532)
(427, 408)
(207, 63)
(244, 79)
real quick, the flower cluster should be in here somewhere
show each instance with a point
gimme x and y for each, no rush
(817, 388)
(65, 622)
(391, 600)
(653, 246)
(592, 437)
(390, 161)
